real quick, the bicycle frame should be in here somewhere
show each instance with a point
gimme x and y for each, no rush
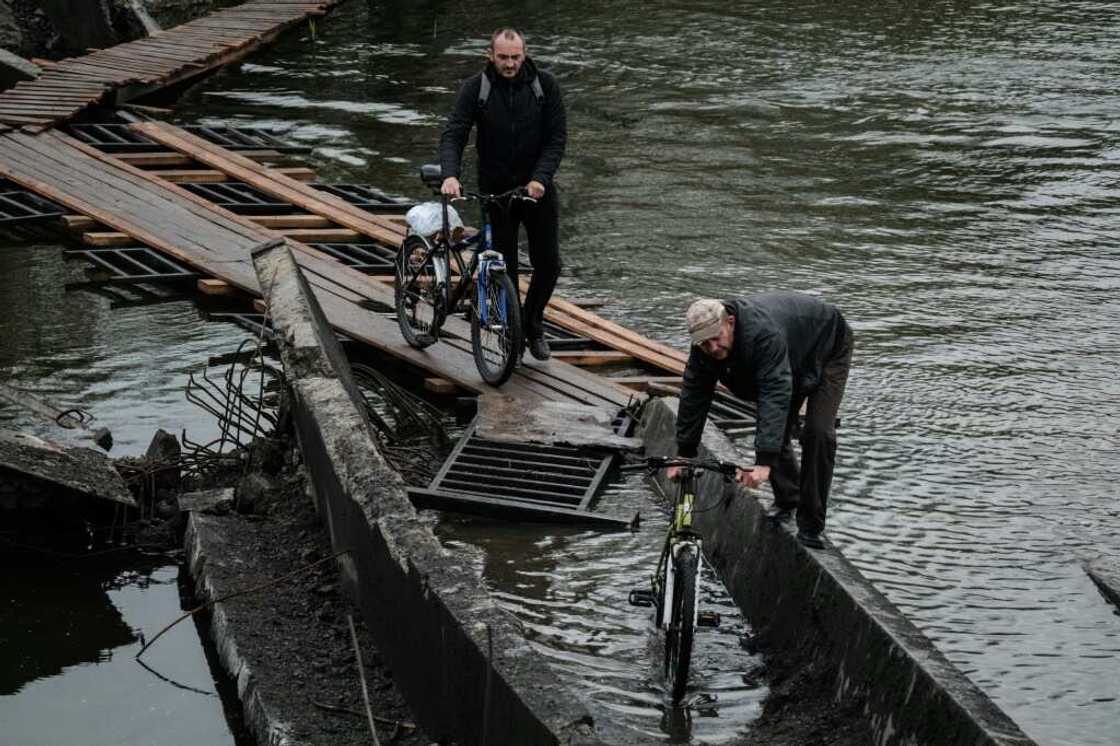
(680, 532)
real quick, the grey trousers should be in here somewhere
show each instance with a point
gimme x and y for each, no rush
(806, 487)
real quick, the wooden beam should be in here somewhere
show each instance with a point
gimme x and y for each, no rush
(168, 159)
(277, 184)
(189, 175)
(589, 358)
(216, 287)
(291, 221)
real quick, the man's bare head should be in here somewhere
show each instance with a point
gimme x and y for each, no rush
(507, 52)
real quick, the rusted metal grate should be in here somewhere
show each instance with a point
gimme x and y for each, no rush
(131, 264)
(366, 197)
(371, 258)
(245, 199)
(240, 198)
(527, 481)
(17, 205)
(121, 138)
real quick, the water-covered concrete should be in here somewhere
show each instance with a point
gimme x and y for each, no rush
(461, 662)
(815, 605)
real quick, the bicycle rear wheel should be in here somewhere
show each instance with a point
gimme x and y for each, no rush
(682, 625)
(417, 293)
(496, 336)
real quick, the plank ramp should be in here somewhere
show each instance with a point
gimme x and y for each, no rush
(167, 57)
(218, 243)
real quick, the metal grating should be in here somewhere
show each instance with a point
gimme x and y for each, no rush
(371, 258)
(366, 197)
(241, 198)
(528, 481)
(17, 205)
(131, 264)
(121, 138)
(560, 338)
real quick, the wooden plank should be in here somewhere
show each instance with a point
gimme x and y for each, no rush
(142, 160)
(306, 197)
(589, 358)
(215, 287)
(292, 221)
(322, 235)
(210, 176)
(107, 238)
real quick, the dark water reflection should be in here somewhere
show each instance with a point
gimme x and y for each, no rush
(945, 172)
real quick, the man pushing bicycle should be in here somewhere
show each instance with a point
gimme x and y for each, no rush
(522, 133)
(780, 350)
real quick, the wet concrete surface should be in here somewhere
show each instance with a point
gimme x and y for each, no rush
(74, 470)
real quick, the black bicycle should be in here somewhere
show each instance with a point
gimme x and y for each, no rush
(675, 586)
(434, 279)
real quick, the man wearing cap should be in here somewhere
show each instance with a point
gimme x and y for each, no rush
(780, 350)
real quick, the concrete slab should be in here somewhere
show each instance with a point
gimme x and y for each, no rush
(513, 420)
(207, 501)
(462, 662)
(1105, 572)
(79, 470)
(14, 68)
(815, 605)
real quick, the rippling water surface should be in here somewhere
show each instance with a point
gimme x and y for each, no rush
(947, 174)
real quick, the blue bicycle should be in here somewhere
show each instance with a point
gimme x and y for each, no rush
(434, 278)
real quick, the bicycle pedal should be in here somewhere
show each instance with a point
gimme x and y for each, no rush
(707, 619)
(642, 598)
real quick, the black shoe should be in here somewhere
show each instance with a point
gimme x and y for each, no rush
(779, 514)
(538, 348)
(810, 539)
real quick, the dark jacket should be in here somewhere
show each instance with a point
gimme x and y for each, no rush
(520, 138)
(782, 341)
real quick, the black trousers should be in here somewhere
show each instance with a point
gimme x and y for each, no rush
(541, 221)
(806, 488)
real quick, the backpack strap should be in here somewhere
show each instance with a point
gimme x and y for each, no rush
(483, 91)
(485, 86)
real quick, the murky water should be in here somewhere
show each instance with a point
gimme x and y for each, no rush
(69, 675)
(946, 173)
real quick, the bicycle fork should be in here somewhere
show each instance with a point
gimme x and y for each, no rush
(490, 261)
(667, 592)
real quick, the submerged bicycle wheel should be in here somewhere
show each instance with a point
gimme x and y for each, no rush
(682, 626)
(496, 329)
(417, 293)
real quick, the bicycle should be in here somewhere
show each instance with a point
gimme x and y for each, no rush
(675, 586)
(426, 291)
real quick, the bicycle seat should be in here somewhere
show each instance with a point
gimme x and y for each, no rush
(432, 175)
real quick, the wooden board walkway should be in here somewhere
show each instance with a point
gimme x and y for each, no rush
(218, 243)
(132, 69)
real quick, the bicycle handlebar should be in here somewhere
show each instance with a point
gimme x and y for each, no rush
(515, 193)
(654, 463)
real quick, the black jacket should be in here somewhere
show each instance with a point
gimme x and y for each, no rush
(782, 341)
(520, 138)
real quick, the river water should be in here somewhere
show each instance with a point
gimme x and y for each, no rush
(946, 174)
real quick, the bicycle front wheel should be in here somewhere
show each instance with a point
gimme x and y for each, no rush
(682, 624)
(496, 336)
(418, 292)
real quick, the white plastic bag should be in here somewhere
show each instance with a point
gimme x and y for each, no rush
(426, 219)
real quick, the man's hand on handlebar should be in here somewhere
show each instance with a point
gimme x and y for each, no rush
(535, 189)
(753, 477)
(451, 187)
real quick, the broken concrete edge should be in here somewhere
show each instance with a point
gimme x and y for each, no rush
(14, 69)
(1105, 572)
(462, 663)
(81, 470)
(816, 604)
(258, 715)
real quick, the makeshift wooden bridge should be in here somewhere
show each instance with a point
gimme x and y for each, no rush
(156, 203)
(127, 71)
